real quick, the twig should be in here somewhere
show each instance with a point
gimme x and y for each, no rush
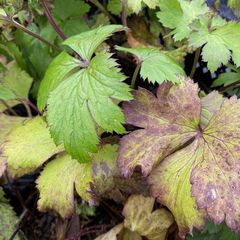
(51, 20)
(103, 10)
(8, 107)
(21, 27)
(196, 57)
(134, 77)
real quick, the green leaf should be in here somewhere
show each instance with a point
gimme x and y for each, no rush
(197, 175)
(8, 219)
(72, 175)
(72, 8)
(219, 45)
(87, 102)
(140, 218)
(213, 232)
(136, 5)
(180, 14)
(6, 94)
(85, 44)
(17, 81)
(59, 69)
(167, 122)
(156, 66)
(114, 7)
(28, 146)
(226, 79)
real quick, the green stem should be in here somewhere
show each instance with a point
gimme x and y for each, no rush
(9, 108)
(196, 57)
(135, 74)
(24, 29)
(103, 10)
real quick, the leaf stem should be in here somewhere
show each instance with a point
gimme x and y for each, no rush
(196, 57)
(124, 13)
(28, 109)
(51, 20)
(9, 108)
(33, 106)
(24, 29)
(103, 10)
(135, 74)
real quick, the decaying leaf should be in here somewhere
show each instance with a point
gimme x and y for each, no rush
(140, 218)
(197, 174)
(141, 222)
(167, 122)
(111, 234)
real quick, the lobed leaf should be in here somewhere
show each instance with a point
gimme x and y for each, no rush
(156, 66)
(168, 121)
(180, 14)
(219, 43)
(199, 177)
(72, 175)
(25, 154)
(136, 5)
(140, 218)
(85, 44)
(87, 103)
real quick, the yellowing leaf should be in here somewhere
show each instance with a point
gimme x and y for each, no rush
(16, 81)
(7, 123)
(156, 66)
(140, 218)
(87, 103)
(136, 5)
(170, 183)
(8, 219)
(28, 146)
(71, 175)
(111, 234)
(179, 14)
(167, 123)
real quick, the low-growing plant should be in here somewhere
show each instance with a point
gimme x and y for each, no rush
(97, 98)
